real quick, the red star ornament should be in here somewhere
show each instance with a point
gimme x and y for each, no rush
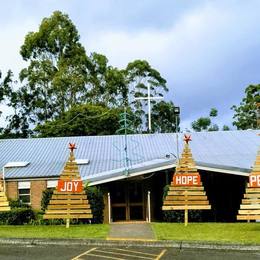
(187, 138)
(72, 147)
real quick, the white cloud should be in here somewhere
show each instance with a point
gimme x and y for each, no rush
(208, 55)
(13, 35)
(203, 56)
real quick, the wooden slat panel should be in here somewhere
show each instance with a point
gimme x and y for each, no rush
(55, 202)
(5, 203)
(55, 192)
(249, 217)
(252, 195)
(71, 173)
(253, 190)
(249, 212)
(177, 188)
(250, 201)
(188, 193)
(70, 212)
(68, 178)
(71, 167)
(5, 208)
(69, 196)
(178, 197)
(66, 206)
(186, 207)
(250, 206)
(66, 217)
(185, 202)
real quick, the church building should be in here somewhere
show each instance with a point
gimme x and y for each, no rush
(133, 171)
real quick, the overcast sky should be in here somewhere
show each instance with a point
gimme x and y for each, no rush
(208, 51)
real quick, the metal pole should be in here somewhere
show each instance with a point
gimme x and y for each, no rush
(177, 141)
(109, 208)
(4, 178)
(149, 206)
(126, 148)
(149, 111)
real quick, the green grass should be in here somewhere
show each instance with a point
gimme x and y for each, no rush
(243, 233)
(95, 231)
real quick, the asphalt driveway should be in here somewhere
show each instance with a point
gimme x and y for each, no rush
(77, 252)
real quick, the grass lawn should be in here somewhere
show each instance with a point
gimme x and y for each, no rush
(96, 231)
(243, 233)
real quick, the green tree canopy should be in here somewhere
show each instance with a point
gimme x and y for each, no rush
(205, 123)
(107, 85)
(82, 120)
(61, 83)
(164, 118)
(57, 73)
(245, 116)
(201, 124)
(140, 75)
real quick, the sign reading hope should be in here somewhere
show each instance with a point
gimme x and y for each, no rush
(186, 179)
(254, 181)
(69, 186)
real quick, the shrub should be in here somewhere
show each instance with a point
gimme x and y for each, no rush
(95, 198)
(18, 204)
(40, 221)
(17, 216)
(46, 196)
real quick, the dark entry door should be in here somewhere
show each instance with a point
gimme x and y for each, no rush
(135, 201)
(127, 201)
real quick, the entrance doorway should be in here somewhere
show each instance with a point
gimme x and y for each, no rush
(127, 201)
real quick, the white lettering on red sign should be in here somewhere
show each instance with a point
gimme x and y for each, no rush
(254, 181)
(186, 180)
(69, 186)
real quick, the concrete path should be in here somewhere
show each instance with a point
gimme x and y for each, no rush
(131, 231)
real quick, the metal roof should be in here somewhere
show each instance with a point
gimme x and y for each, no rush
(224, 151)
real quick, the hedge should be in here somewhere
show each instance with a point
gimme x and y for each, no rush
(17, 216)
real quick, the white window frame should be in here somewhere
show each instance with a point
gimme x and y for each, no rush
(52, 184)
(24, 185)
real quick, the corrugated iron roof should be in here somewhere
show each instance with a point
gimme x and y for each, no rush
(225, 150)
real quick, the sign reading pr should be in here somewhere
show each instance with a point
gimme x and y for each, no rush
(254, 180)
(186, 180)
(69, 186)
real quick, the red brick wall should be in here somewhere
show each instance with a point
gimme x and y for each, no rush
(12, 189)
(37, 187)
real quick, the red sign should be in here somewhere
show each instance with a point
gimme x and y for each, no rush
(254, 180)
(69, 186)
(186, 180)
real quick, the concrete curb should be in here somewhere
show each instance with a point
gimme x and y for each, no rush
(96, 242)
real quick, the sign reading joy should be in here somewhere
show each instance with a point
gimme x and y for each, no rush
(186, 180)
(69, 186)
(254, 180)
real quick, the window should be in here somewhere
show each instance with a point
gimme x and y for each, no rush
(24, 191)
(52, 184)
(16, 164)
(82, 161)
